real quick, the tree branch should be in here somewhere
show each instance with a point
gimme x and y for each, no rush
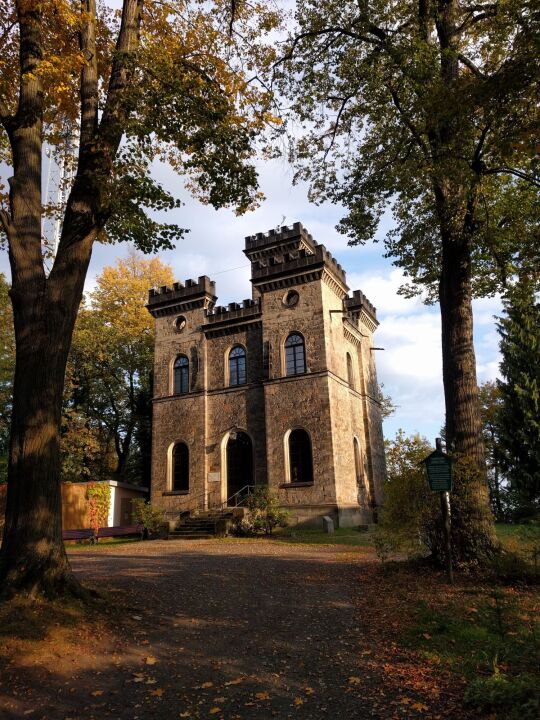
(89, 76)
(327, 31)
(344, 102)
(114, 114)
(533, 179)
(472, 67)
(408, 122)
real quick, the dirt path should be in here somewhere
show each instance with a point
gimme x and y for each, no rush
(221, 629)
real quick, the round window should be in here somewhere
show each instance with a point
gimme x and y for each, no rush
(291, 298)
(180, 323)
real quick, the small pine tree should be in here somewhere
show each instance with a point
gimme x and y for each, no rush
(519, 411)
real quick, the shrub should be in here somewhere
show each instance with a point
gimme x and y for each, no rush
(150, 516)
(99, 501)
(518, 698)
(409, 519)
(264, 513)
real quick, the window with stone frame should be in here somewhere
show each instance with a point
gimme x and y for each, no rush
(181, 375)
(237, 366)
(180, 468)
(295, 354)
(300, 457)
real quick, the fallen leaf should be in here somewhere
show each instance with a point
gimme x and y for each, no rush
(237, 681)
(427, 636)
(405, 700)
(309, 690)
(262, 696)
(150, 660)
(353, 680)
(206, 685)
(298, 701)
(97, 693)
(420, 707)
(185, 714)
(138, 677)
(158, 692)
(214, 710)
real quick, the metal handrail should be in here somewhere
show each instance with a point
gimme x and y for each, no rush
(238, 500)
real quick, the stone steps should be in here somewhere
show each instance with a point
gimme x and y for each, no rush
(200, 526)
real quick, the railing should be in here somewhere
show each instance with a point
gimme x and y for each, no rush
(239, 498)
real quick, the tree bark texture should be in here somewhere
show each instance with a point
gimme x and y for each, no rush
(32, 557)
(473, 537)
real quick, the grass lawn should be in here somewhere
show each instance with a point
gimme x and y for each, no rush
(104, 542)
(341, 536)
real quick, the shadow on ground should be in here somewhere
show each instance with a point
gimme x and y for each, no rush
(211, 630)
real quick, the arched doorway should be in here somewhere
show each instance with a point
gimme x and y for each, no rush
(239, 462)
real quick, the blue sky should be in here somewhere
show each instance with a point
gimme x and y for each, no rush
(409, 366)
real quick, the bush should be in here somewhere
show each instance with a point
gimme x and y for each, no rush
(150, 516)
(99, 501)
(517, 697)
(410, 517)
(263, 514)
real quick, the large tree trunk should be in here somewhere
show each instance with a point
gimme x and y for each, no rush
(32, 557)
(473, 535)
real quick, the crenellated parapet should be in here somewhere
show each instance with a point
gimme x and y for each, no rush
(285, 238)
(288, 256)
(168, 299)
(234, 315)
(358, 306)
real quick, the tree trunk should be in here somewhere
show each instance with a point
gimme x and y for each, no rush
(33, 558)
(473, 537)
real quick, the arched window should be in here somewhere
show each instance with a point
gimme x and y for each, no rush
(300, 460)
(180, 468)
(237, 366)
(181, 375)
(350, 373)
(295, 355)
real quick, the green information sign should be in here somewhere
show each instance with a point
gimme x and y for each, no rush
(439, 471)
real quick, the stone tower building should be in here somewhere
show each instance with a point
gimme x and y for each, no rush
(280, 389)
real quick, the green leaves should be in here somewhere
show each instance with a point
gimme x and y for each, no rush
(518, 418)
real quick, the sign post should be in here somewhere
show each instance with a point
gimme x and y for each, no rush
(439, 473)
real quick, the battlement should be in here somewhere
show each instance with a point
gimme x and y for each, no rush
(296, 260)
(359, 302)
(233, 312)
(279, 236)
(181, 291)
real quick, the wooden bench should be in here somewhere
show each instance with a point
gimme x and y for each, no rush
(82, 534)
(89, 534)
(120, 531)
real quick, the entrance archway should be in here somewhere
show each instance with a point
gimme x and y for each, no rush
(239, 462)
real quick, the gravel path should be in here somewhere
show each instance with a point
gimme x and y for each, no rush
(215, 629)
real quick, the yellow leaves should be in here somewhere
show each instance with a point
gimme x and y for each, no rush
(298, 701)
(262, 696)
(236, 681)
(205, 685)
(158, 692)
(419, 707)
(150, 660)
(97, 693)
(353, 680)
(214, 710)
(309, 690)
